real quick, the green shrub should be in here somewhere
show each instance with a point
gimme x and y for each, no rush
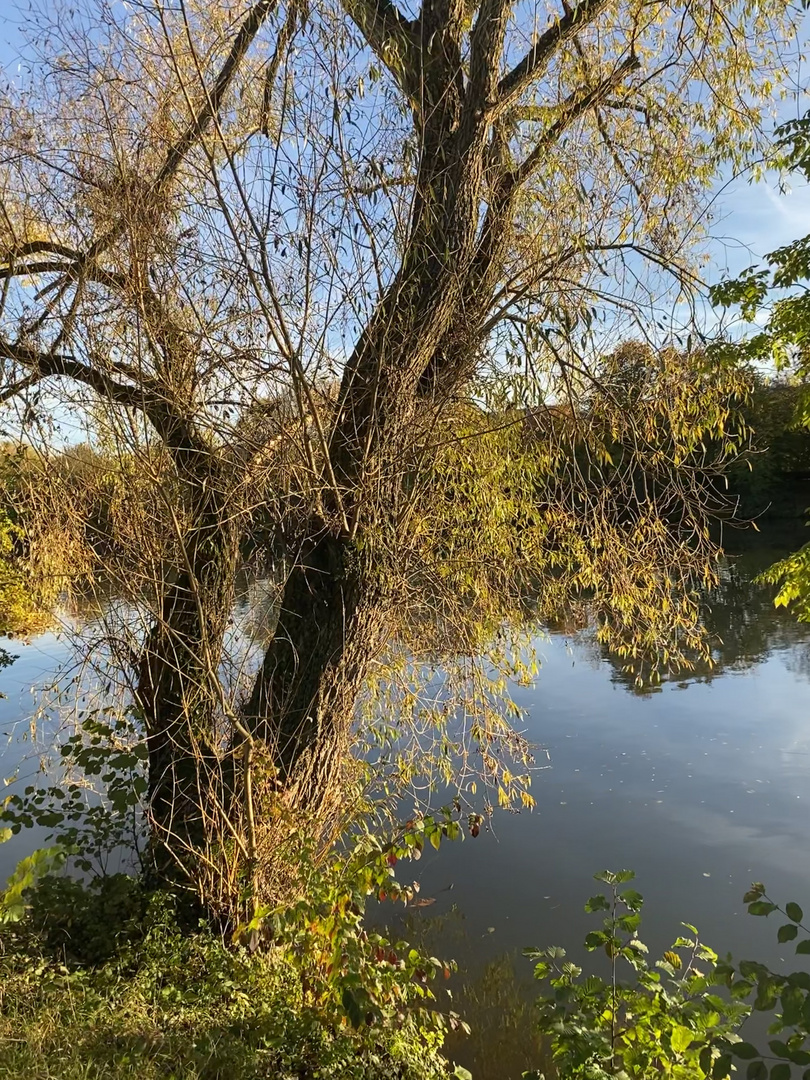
(668, 1019)
(86, 924)
(169, 1004)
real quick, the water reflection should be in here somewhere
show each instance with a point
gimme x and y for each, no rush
(700, 787)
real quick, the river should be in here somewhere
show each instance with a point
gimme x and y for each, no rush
(700, 787)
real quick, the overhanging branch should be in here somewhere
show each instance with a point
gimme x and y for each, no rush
(177, 153)
(574, 107)
(46, 365)
(19, 387)
(176, 432)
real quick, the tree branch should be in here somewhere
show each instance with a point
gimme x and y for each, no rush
(35, 247)
(19, 387)
(45, 365)
(391, 37)
(448, 362)
(574, 106)
(538, 57)
(177, 153)
(486, 44)
(213, 99)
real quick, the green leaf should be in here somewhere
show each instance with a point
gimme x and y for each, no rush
(680, 1038)
(721, 1067)
(595, 939)
(757, 1070)
(597, 903)
(628, 923)
(27, 873)
(767, 993)
(803, 948)
(780, 1072)
(460, 1073)
(351, 1007)
(792, 1000)
(745, 1050)
(794, 912)
(787, 932)
(761, 907)
(632, 899)
(751, 968)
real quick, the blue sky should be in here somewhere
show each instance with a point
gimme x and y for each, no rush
(753, 219)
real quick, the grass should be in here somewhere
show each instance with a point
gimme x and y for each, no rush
(177, 1007)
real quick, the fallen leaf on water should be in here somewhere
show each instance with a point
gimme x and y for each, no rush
(423, 901)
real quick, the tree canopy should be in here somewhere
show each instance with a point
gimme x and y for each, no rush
(343, 284)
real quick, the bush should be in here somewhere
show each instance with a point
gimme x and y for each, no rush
(168, 1004)
(303, 990)
(668, 1019)
(86, 924)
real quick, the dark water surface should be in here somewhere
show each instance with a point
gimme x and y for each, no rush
(700, 787)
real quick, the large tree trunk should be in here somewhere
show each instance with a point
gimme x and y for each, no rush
(177, 686)
(330, 626)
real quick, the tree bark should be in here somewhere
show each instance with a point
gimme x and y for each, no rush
(177, 683)
(330, 626)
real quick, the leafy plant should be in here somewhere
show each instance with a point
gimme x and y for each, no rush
(786, 994)
(87, 923)
(666, 1020)
(91, 824)
(29, 871)
(174, 1004)
(347, 971)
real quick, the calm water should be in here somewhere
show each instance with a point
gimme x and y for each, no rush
(700, 787)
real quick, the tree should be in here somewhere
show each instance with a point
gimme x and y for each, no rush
(776, 297)
(283, 254)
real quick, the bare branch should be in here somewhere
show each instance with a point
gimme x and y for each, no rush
(159, 410)
(45, 365)
(282, 43)
(214, 99)
(19, 387)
